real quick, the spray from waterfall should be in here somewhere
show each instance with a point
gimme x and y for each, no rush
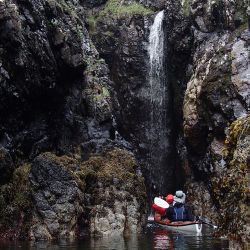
(158, 133)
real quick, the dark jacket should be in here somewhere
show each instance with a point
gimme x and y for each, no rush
(179, 212)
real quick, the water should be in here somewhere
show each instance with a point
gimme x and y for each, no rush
(158, 130)
(153, 238)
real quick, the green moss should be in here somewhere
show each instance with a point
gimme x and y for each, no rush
(116, 9)
(15, 198)
(113, 166)
(186, 5)
(231, 190)
(236, 33)
(241, 10)
(238, 130)
(102, 94)
(92, 20)
(65, 161)
(234, 132)
(109, 168)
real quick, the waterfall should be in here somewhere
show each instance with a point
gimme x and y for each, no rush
(156, 55)
(158, 132)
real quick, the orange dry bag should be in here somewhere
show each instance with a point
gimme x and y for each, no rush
(158, 209)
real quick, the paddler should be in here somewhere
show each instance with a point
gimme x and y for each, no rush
(179, 211)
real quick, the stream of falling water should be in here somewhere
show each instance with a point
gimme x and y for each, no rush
(158, 132)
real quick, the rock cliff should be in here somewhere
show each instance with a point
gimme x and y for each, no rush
(122, 38)
(56, 112)
(76, 112)
(216, 115)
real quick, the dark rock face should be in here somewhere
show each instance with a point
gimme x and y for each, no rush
(226, 199)
(217, 96)
(123, 43)
(210, 15)
(58, 199)
(55, 95)
(231, 189)
(45, 49)
(64, 197)
(16, 205)
(6, 166)
(213, 98)
(93, 3)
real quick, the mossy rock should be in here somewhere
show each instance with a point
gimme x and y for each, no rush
(116, 9)
(16, 203)
(116, 167)
(240, 15)
(238, 132)
(186, 6)
(231, 191)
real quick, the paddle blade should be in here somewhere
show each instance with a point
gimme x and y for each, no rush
(160, 202)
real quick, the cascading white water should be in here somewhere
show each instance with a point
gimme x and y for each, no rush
(155, 50)
(158, 132)
(157, 69)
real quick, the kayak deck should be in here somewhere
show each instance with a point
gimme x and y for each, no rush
(188, 226)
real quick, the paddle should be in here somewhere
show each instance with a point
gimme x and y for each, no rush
(204, 221)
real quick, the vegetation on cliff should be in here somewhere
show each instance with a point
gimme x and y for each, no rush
(116, 166)
(16, 205)
(117, 9)
(48, 199)
(232, 191)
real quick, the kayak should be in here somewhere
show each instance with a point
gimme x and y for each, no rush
(187, 226)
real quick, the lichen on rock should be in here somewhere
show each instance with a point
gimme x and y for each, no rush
(118, 205)
(64, 197)
(16, 205)
(231, 190)
(216, 117)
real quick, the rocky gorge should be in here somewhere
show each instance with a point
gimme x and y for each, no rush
(81, 148)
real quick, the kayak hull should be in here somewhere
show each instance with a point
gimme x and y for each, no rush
(192, 226)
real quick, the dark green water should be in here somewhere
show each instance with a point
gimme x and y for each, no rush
(152, 238)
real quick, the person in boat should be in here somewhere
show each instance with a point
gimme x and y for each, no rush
(170, 199)
(179, 211)
(163, 217)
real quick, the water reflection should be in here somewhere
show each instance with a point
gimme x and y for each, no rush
(153, 238)
(164, 239)
(115, 242)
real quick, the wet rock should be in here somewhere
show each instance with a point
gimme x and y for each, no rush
(209, 15)
(6, 166)
(199, 197)
(65, 197)
(241, 67)
(58, 199)
(16, 205)
(231, 189)
(215, 102)
(223, 198)
(47, 65)
(118, 207)
(93, 3)
(212, 100)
